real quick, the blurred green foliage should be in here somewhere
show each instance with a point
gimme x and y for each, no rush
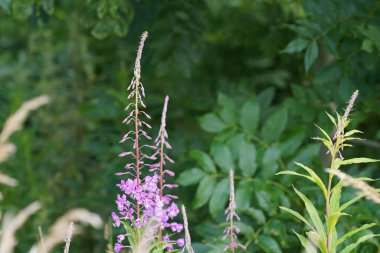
(257, 75)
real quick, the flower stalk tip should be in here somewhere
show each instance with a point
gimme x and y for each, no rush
(232, 230)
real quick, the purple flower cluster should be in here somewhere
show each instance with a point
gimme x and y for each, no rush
(143, 199)
(153, 207)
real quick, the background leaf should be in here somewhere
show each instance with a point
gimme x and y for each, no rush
(275, 125)
(250, 116)
(204, 160)
(212, 123)
(219, 197)
(204, 191)
(311, 55)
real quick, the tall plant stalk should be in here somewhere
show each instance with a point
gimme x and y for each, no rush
(323, 235)
(138, 100)
(142, 201)
(338, 143)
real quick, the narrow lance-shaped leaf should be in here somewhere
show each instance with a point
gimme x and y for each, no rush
(358, 160)
(352, 232)
(313, 213)
(315, 177)
(335, 197)
(362, 239)
(306, 243)
(332, 119)
(299, 216)
(332, 220)
(317, 239)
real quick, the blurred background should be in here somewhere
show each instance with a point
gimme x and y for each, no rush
(247, 80)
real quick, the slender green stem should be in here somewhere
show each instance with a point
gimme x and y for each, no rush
(334, 151)
(137, 148)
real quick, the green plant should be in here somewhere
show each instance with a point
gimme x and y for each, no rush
(324, 235)
(257, 139)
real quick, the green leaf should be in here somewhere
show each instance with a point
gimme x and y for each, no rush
(353, 232)
(101, 29)
(324, 133)
(293, 173)
(335, 197)
(289, 146)
(256, 214)
(332, 119)
(349, 133)
(270, 161)
(295, 46)
(325, 142)
(204, 160)
(332, 220)
(313, 213)
(317, 240)
(351, 201)
(234, 144)
(250, 116)
(247, 158)
(190, 176)
(48, 6)
(265, 98)
(120, 27)
(358, 160)
(311, 55)
(204, 191)
(298, 216)
(367, 45)
(245, 229)
(212, 123)
(315, 178)
(275, 125)
(268, 244)
(307, 152)
(6, 5)
(228, 110)
(222, 156)
(244, 194)
(133, 234)
(306, 243)
(22, 9)
(219, 197)
(362, 239)
(264, 201)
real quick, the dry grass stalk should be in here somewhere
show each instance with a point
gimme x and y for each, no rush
(370, 192)
(42, 239)
(12, 223)
(58, 232)
(14, 122)
(4, 179)
(68, 237)
(187, 233)
(6, 150)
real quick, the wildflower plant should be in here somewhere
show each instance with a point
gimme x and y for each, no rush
(143, 207)
(232, 230)
(323, 236)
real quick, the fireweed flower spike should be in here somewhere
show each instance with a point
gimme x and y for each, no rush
(231, 231)
(168, 209)
(139, 199)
